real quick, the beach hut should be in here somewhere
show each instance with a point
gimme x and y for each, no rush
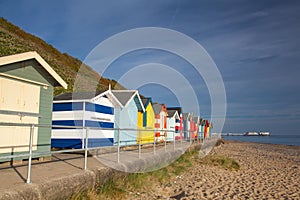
(196, 121)
(181, 128)
(26, 91)
(126, 116)
(85, 109)
(178, 123)
(203, 128)
(200, 128)
(206, 129)
(173, 123)
(186, 117)
(146, 122)
(192, 127)
(161, 114)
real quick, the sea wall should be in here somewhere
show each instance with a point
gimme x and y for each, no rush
(66, 186)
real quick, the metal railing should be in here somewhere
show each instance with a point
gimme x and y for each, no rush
(187, 136)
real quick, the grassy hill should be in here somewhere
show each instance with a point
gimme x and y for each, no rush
(14, 40)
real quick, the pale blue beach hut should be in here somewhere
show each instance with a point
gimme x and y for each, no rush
(126, 116)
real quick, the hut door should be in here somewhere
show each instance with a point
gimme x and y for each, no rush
(19, 103)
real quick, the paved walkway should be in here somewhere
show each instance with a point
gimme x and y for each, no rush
(67, 164)
(12, 177)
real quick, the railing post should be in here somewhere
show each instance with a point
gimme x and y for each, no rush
(30, 154)
(118, 156)
(181, 138)
(165, 140)
(86, 147)
(190, 137)
(174, 145)
(139, 143)
(154, 143)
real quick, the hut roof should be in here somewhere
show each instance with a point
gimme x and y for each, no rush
(171, 113)
(157, 108)
(146, 101)
(125, 96)
(76, 96)
(179, 109)
(5, 60)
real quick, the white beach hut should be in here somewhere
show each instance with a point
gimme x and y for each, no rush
(94, 111)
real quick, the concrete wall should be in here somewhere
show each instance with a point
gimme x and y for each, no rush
(67, 186)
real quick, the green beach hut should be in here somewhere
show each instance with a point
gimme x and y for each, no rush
(26, 94)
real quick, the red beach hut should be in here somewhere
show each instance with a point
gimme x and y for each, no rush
(161, 113)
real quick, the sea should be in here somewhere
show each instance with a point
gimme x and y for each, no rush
(272, 139)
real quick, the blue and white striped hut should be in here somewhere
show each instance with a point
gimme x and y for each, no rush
(77, 110)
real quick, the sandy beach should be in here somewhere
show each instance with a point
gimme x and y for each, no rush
(267, 171)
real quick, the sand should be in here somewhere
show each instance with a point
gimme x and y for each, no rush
(266, 171)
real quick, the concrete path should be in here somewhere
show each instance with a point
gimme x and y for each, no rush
(12, 177)
(68, 168)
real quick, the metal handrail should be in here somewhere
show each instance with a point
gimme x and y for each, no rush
(32, 154)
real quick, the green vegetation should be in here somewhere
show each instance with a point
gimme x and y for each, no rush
(135, 182)
(143, 181)
(14, 40)
(140, 182)
(221, 161)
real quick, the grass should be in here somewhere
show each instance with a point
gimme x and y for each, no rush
(139, 182)
(221, 161)
(117, 188)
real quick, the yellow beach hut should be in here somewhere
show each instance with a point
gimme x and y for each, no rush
(146, 122)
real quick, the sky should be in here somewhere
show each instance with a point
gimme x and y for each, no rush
(255, 46)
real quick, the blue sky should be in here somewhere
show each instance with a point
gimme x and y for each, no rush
(254, 44)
